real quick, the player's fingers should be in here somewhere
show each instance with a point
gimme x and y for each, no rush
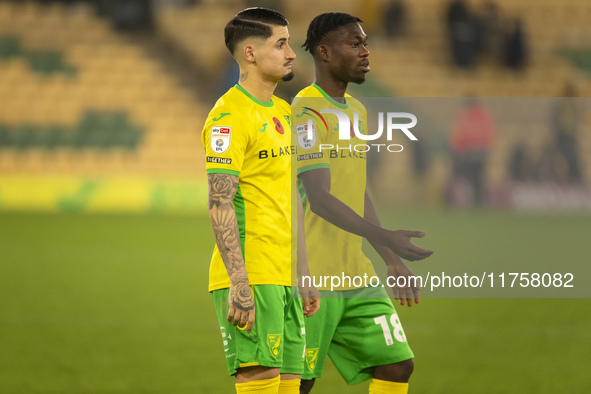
(411, 257)
(243, 319)
(409, 301)
(238, 318)
(314, 306)
(415, 293)
(420, 253)
(416, 234)
(231, 312)
(306, 305)
(408, 296)
(250, 317)
(394, 289)
(400, 295)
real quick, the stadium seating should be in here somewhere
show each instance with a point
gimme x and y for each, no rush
(77, 96)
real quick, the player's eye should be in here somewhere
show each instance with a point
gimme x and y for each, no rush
(355, 45)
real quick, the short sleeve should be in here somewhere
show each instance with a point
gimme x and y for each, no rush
(311, 131)
(225, 140)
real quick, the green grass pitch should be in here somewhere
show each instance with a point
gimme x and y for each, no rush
(118, 304)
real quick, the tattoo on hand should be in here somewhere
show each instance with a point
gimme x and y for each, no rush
(240, 296)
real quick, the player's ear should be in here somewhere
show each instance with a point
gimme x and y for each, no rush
(322, 52)
(249, 53)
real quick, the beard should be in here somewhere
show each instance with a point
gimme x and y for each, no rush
(288, 77)
(359, 80)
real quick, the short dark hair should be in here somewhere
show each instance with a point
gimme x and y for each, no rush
(324, 24)
(251, 22)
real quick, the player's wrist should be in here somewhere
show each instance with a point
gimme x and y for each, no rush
(239, 279)
(393, 260)
(384, 236)
(240, 283)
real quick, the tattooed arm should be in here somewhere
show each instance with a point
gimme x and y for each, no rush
(222, 189)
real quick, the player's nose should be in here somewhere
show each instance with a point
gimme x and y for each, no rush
(290, 53)
(364, 52)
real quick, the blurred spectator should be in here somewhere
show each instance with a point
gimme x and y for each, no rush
(566, 122)
(471, 142)
(521, 167)
(492, 30)
(516, 46)
(420, 158)
(545, 168)
(128, 15)
(463, 33)
(395, 19)
(457, 11)
(420, 166)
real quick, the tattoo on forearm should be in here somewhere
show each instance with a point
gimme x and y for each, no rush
(243, 77)
(222, 188)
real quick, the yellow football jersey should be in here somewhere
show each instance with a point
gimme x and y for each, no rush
(332, 251)
(251, 139)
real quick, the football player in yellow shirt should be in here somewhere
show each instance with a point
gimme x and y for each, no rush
(247, 139)
(357, 326)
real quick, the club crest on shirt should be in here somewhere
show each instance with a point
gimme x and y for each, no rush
(302, 132)
(275, 343)
(220, 138)
(312, 357)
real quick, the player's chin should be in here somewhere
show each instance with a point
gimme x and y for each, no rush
(359, 79)
(288, 77)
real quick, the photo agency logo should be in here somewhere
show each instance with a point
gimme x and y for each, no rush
(307, 138)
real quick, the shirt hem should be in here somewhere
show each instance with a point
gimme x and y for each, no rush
(220, 286)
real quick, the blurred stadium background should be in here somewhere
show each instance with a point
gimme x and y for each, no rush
(104, 237)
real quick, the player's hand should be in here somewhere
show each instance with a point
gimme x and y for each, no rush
(400, 241)
(408, 293)
(310, 300)
(241, 305)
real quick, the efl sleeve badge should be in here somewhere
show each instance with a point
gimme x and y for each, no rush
(220, 138)
(306, 133)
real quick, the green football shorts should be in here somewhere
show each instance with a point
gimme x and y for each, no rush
(278, 337)
(357, 334)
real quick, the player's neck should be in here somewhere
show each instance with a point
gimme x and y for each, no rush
(335, 89)
(260, 88)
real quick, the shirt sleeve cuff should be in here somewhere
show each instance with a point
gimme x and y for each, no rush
(301, 170)
(223, 171)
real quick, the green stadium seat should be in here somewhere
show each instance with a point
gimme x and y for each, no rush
(25, 137)
(6, 138)
(10, 47)
(52, 138)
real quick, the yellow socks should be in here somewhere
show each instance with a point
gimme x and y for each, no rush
(384, 387)
(264, 386)
(291, 386)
